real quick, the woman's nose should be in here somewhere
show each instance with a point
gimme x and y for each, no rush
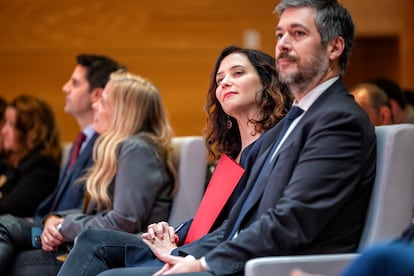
(226, 81)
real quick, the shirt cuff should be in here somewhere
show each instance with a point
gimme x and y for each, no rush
(204, 264)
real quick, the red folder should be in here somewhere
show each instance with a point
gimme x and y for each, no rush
(222, 183)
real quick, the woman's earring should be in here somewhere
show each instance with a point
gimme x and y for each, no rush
(229, 123)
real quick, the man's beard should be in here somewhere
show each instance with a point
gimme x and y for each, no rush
(307, 71)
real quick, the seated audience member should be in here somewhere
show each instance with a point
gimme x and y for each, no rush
(308, 189)
(401, 112)
(374, 101)
(131, 182)
(84, 87)
(233, 125)
(30, 168)
(243, 101)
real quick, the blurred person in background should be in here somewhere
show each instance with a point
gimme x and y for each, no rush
(401, 111)
(374, 101)
(32, 149)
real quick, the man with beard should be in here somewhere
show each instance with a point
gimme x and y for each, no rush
(309, 188)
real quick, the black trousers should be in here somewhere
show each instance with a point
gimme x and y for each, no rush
(17, 254)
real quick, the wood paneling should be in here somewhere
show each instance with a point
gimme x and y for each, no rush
(407, 45)
(372, 57)
(172, 43)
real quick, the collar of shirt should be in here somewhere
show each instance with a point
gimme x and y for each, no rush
(305, 103)
(311, 97)
(89, 132)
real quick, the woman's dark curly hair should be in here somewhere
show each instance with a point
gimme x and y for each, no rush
(274, 103)
(36, 128)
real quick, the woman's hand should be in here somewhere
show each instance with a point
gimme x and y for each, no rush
(160, 230)
(160, 237)
(51, 237)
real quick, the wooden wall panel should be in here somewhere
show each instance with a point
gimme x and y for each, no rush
(376, 17)
(172, 43)
(374, 57)
(407, 46)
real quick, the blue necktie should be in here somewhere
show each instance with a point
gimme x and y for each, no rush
(293, 113)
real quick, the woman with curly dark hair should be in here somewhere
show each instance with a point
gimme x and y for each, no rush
(32, 150)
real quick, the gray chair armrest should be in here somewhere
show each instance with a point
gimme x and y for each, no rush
(327, 265)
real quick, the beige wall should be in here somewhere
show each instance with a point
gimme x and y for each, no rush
(173, 43)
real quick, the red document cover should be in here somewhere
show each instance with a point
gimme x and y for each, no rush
(222, 183)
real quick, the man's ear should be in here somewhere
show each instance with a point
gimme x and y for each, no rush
(396, 111)
(96, 94)
(336, 47)
(385, 115)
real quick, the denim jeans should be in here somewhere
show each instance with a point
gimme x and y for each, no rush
(95, 251)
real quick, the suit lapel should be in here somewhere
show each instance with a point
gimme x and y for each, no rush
(336, 87)
(256, 169)
(77, 167)
(267, 144)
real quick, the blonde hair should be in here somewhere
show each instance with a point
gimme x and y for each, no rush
(137, 110)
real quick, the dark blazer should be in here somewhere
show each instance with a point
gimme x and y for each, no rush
(140, 193)
(315, 196)
(68, 194)
(24, 187)
(248, 155)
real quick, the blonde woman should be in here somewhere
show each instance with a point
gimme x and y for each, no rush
(132, 181)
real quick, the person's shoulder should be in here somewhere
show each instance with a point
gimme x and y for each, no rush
(38, 159)
(337, 109)
(136, 140)
(136, 143)
(338, 100)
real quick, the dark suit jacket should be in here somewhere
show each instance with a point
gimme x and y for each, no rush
(24, 187)
(68, 194)
(314, 198)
